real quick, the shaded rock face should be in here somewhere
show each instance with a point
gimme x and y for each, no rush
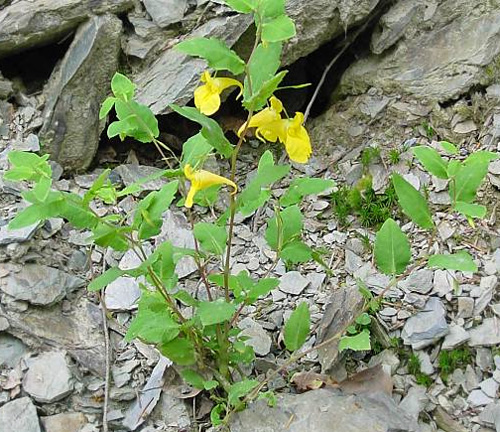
(429, 56)
(76, 90)
(325, 411)
(27, 24)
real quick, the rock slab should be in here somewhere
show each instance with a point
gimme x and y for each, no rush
(19, 415)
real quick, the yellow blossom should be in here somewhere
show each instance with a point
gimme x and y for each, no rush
(290, 132)
(201, 179)
(207, 96)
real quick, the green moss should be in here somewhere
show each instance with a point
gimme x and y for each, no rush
(414, 368)
(451, 360)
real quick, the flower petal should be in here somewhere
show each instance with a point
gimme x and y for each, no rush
(206, 100)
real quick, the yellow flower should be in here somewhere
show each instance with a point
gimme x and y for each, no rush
(202, 179)
(207, 96)
(296, 140)
(290, 132)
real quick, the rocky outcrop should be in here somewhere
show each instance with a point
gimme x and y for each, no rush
(76, 90)
(26, 24)
(435, 51)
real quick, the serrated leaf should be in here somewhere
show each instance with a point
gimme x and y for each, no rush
(262, 288)
(392, 249)
(412, 202)
(210, 130)
(278, 29)
(122, 87)
(180, 351)
(301, 187)
(360, 342)
(364, 319)
(470, 210)
(215, 52)
(448, 147)
(212, 237)
(105, 279)
(215, 312)
(240, 389)
(461, 261)
(106, 107)
(431, 160)
(297, 327)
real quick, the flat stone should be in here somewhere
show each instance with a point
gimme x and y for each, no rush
(324, 411)
(457, 336)
(485, 334)
(465, 127)
(487, 288)
(71, 128)
(79, 331)
(414, 401)
(478, 398)
(11, 350)
(386, 358)
(427, 326)
(490, 387)
(258, 338)
(166, 12)
(131, 173)
(8, 236)
(38, 284)
(122, 294)
(19, 415)
(48, 378)
(465, 307)
(293, 283)
(426, 365)
(419, 281)
(443, 282)
(64, 422)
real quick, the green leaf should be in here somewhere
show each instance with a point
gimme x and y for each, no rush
(470, 210)
(262, 288)
(27, 166)
(461, 261)
(122, 87)
(240, 389)
(106, 107)
(195, 150)
(193, 378)
(469, 177)
(392, 249)
(364, 319)
(135, 120)
(271, 8)
(105, 279)
(412, 202)
(431, 160)
(218, 413)
(42, 189)
(154, 322)
(360, 342)
(166, 264)
(296, 252)
(262, 67)
(215, 312)
(111, 236)
(297, 327)
(215, 52)
(180, 351)
(212, 237)
(448, 147)
(453, 168)
(242, 6)
(289, 226)
(259, 98)
(210, 130)
(300, 187)
(278, 29)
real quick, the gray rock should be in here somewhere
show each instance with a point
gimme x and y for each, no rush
(19, 415)
(173, 76)
(78, 332)
(478, 398)
(436, 45)
(48, 378)
(258, 338)
(64, 422)
(11, 350)
(38, 284)
(176, 229)
(457, 336)
(324, 411)
(491, 415)
(427, 326)
(484, 359)
(487, 288)
(6, 89)
(132, 173)
(485, 334)
(26, 24)
(419, 281)
(414, 401)
(293, 283)
(72, 128)
(8, 236)
(345, 304)
(122, 294)
(166, 12)
(489, 387)
(386, 358)
(392, 25)
(443, 282)
(465, 307)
